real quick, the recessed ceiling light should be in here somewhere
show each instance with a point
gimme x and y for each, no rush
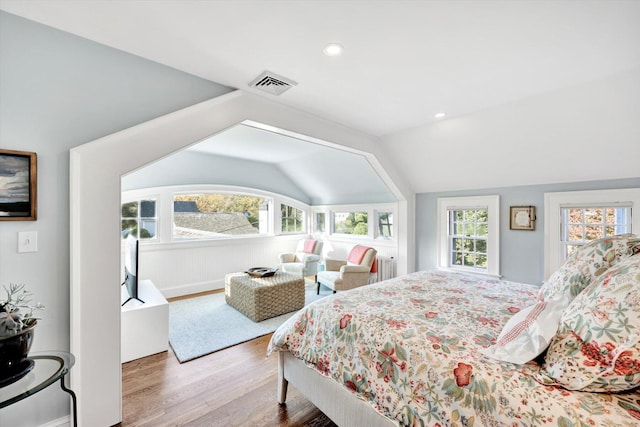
(439, 115)
(333, 49)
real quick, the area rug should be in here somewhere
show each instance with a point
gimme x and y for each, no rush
(203, 325)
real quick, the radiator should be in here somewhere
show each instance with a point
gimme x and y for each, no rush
(386, 269)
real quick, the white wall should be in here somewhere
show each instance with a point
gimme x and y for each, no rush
(521, 252)
(582, 133)
(96, 169)
(58, 91)
(184, 268)
(180, 267)
(586, 133)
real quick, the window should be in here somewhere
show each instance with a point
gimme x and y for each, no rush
(385, 225)
(359, 221)
(573, 218)
(138, 218)
(469, 234)
(583, 224)
(211, 215)
(209, 212)
(292, 219)
(353, 223)
(319, 223)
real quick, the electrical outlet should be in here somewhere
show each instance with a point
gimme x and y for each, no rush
(27, 241)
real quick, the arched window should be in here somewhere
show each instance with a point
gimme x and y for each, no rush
(211, 215)
(205, 212)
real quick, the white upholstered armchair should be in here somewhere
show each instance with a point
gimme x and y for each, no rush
(304, 261)
(340, 275)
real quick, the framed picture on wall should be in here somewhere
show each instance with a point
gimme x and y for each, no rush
(18, 181)
(522, 218)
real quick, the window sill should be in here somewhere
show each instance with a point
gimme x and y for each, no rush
(347, 238)
(472, 272)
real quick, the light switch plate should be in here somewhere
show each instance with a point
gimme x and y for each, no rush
(27, 241)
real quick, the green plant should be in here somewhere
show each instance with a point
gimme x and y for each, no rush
(16, 311)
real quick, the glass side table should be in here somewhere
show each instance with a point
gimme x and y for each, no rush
(48, 368)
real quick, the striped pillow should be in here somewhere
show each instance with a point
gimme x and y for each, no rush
(528, 333)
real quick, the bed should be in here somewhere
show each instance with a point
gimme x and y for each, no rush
(413, 351)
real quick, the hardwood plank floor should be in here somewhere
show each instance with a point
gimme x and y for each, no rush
(231, 387)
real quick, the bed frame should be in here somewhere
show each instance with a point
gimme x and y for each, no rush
(333, 399)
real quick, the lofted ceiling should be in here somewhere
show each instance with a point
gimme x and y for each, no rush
(320, 172)
(403, 61)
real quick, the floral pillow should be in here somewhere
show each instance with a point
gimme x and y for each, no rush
(587, 263)
(528, 333)
(597, 347)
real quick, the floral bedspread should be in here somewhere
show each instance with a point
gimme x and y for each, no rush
(411, 347)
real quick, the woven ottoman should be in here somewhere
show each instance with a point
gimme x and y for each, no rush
(260, 298)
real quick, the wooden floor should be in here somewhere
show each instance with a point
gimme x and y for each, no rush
(232, 387)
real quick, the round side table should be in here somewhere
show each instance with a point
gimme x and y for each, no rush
(48, 368)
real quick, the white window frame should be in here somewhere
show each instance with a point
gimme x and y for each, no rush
(372, 220)
(492, 204)
(553, 202)
(315, 223)
(350, 211)
(139, 198)
(187, 192)
(164, 209)
(376, 230)
(305, 217)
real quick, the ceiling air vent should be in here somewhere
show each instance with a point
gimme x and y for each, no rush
(272, 83)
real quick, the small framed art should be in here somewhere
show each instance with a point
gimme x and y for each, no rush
(522, 218)
(18, 181)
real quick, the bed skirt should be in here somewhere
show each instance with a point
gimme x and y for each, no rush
(335, 401)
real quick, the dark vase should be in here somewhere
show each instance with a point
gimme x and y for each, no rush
(14, 350)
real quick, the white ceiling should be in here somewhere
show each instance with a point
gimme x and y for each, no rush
(257, 145)
(320, 172)
(403, 62)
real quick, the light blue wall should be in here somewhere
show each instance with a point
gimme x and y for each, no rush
(184, 168)
(58, 91)
(521, 252)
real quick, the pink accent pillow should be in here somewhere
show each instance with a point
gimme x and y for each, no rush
(357, 253)
(309, 246)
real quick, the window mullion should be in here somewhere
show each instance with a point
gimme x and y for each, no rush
(468, 234)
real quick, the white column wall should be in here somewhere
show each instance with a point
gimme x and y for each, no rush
(96, 169)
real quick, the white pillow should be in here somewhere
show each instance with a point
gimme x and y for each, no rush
(528, 333)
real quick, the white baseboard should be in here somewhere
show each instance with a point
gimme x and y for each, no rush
(192, 288)
(60, 422)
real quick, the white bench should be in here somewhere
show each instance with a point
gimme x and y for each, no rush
(144, 326)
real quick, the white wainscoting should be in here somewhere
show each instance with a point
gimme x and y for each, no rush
(386, 268)
(184, 268)
(60, 422)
